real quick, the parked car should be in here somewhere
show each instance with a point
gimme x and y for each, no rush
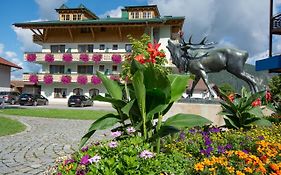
(79, 100)
(31, 99)
(2, 103)
(10, 97)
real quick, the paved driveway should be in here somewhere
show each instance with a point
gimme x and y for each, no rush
(33, 150)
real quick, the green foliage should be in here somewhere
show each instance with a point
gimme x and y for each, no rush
(151, 95)
(227, 88)
(275, 88)
(241, 113)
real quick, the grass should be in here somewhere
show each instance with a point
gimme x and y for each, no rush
(56, 113)
(9, 126)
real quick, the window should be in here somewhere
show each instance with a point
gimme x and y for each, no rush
(149, 15)
(102, 46)
(101, 68)
(115, 47)
(67, 17)
(114, 68)
(57, 48)
(132, 15)
(146, 15)
(56, 69)
(60, 93)
(79, 16)
(93, 92)
(88, 69)
(62, 17)
(85, 48)
(137, 15)
(74, 17)
(128, 47)
(78, 91)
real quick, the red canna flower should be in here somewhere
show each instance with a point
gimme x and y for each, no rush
(140, 58)
(257, 102)
(153, 49)
(267, 96)
(231, 97)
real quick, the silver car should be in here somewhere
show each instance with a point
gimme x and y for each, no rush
(10, 97)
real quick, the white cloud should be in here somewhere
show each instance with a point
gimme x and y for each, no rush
(10, 54)
(113, 13)
(47, 8)
(243, 24)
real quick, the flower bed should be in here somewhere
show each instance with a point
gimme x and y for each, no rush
(193, 151)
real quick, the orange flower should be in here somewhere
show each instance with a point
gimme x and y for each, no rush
(267, 96)
(274, 167)
(162, 54)
(140, 58)
(231, 97)
(257, 102)
(153, 49)
(199, 167)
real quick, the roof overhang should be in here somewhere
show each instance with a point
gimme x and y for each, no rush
(273, 64)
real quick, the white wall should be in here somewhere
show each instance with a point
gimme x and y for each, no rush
(5, 78)
(165, 34)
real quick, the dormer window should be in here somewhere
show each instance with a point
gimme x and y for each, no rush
(132, 15)
(137, 15)
(67, 17)
(79, 16)
(74, 17)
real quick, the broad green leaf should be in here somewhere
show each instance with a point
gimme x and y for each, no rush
(229, 122)
(178, 85)
(262, 122)
(226, 99)
(157, 109)
(115, 102)
(111, 86)
(126, 109)
(256, 111)
(139, 90)
(104, 122)
(252, 98)
(186, 120)
(164, 131)
(135, 66)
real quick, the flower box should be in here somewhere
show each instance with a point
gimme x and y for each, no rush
(33, 78)
(82, 79)
(66, 79)
(49, 58)
(116, 58)
(97, 58)
(48, 79)
(31, 57)
(95, 80)
(84, 57)
(67, 57)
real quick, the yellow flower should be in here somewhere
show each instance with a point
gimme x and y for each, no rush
(248, 170)
(230, 169)
(199, 166)
(239, 173)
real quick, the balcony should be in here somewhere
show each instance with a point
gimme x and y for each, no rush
(106, 57)
(57, 77)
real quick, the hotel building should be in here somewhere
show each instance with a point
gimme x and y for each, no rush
(79, 43)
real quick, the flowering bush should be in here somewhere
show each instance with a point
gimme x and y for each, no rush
(49, 58)
(95, 80)
(97, 58)
(114, 77)
(67, 57)
(66, 79)
(33, 78)
(82, 79)
(48, 79)
(116, 59)
(84, 57)
(31, 57)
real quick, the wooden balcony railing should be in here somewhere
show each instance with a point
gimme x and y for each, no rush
(106, 56)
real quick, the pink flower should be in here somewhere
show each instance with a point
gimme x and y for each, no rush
(113, 144)
(130, 130)
(116, 59)
(97, 58)
(49, 58)
(48, 79)
(82, 79)
(95, 159)
(116, 133)
(67, 57)
(257, 102)
(95, 80)
(114, 77)
(146, 154)
(268, 96)
(33, 78)
(84, 57)
(66, 79)
(85, 160)
(31, 57)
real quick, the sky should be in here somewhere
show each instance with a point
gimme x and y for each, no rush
(242, 24)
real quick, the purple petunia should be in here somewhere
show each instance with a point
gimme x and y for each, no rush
(85, 160)
(146, 154)
(207, 151)
(84, 149)
(95, 159)
(116, 133)
(214, 130)
(182, 136)
(221, 149)
(68, 161)
(228, 146)
(130, 130)
(261, 137)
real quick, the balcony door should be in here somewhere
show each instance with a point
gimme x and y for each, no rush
(93, 92)
(78, 91)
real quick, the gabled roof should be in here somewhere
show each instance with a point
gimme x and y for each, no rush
(81, 7)
(8, 63)
(143, 7)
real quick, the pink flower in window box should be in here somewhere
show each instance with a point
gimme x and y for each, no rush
(33, 78)
(48, 79)
(97, 58)
(31, 57)
(95, 80)
(115, 77)
(66, 79)
(49, 58)
(84, 57)
(82, 79)
(116, 58)
(67, 57)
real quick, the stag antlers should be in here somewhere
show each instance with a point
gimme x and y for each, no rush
(202, 45)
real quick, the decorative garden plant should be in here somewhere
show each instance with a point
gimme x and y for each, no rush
(150, 94)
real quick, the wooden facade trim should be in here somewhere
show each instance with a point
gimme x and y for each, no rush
(70, 34)
(37, 35)
(93, 33)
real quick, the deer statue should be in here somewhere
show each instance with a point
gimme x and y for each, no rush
(203, 58)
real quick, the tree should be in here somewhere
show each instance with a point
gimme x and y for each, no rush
(275, 87)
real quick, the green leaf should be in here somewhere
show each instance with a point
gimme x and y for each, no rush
(230, 123)
(139, 90)
(157, 109)
(256, 111)
(104, 122)
(135, 66)
(126, 109)
(115, 102)
(178, 85)
(262, 122)
(111, 86)
(164, 131)
(186, 120)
